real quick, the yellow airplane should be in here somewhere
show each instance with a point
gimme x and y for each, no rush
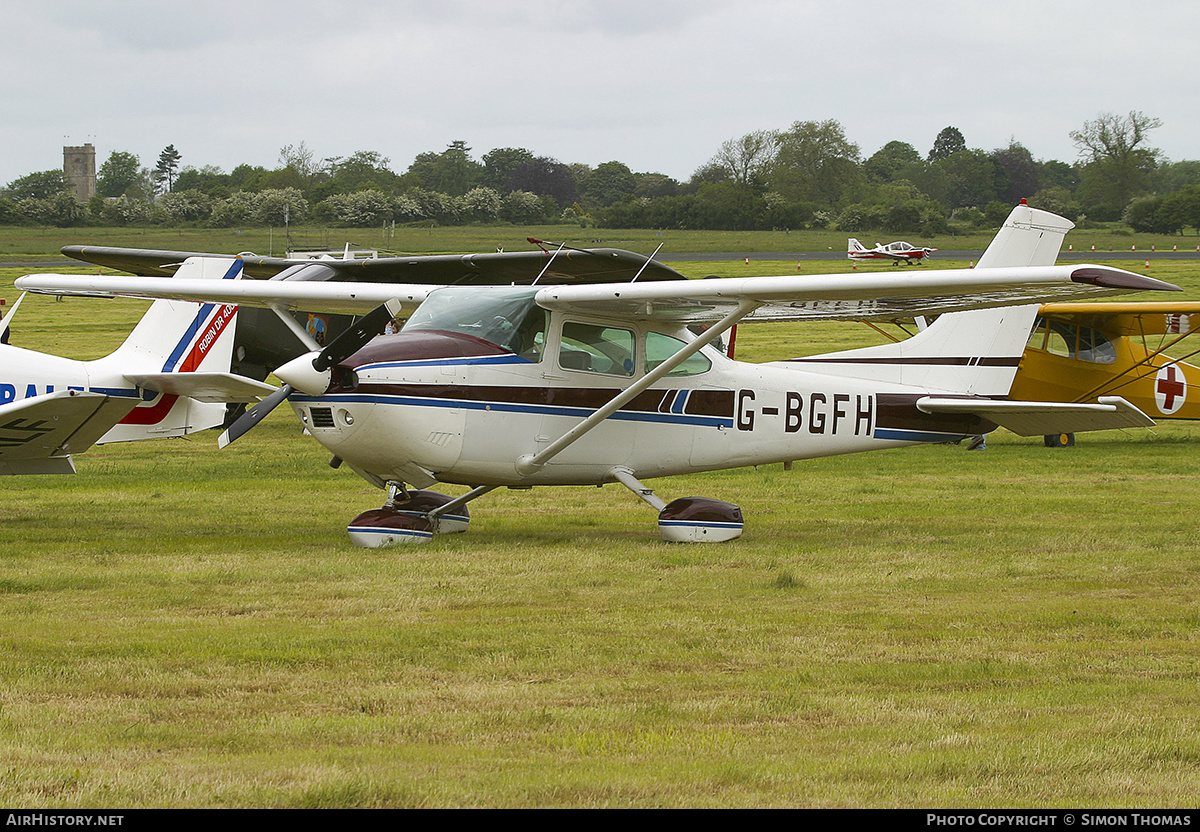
(1080, 351)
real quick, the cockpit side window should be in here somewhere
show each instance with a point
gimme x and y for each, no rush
(1072, 341)
(596, 349)
(1095, 347)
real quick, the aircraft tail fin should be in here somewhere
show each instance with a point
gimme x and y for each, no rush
(854, 245)
(175, 338)
(973, 352)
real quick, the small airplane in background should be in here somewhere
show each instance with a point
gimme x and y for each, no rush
(894, 252)
(169, 378)
(522, 386)
(1079, 352)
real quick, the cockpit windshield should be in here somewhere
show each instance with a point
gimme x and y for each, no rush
(502, 315)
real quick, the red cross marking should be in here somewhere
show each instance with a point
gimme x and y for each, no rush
(1170, 388)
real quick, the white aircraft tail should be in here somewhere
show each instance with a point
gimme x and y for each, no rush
(973, 352)
(854, 246)
(179, 356)
(170, 377)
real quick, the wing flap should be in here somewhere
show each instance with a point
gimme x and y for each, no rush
(1044, 418)
(55, 425)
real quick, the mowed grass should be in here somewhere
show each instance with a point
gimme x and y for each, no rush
(185, 627)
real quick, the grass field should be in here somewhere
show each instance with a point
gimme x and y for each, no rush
(925, 627)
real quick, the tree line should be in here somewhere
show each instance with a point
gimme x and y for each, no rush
(810, 175)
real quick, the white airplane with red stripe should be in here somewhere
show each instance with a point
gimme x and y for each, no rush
(169, 378)
(894, 253)
(524, 386)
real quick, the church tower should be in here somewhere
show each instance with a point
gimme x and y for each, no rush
(79, 171)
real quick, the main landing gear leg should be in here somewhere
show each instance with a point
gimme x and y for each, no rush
(412, 517)
(688, 519)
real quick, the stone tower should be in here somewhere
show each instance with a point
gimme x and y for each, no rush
(79, 171)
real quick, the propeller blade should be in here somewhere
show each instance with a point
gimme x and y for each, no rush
(253, 416)
(337, 350)
(354, 338)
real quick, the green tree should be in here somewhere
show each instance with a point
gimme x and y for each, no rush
(815, 163)
(521, 208)
(1021, 174)
(247, 178)
(746, 163)
(890, 161)
(451, 172)
(544, 176)
(499, 165)
(948, 142)
(609, 183)
(208, 180)
(60, 209)
(362, 170)
(184, 205)
(970, 178)
(41, 185)
(120, 174)
(1117, 161)
(167, 168)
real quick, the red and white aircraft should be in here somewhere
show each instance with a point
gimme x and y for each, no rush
(521, 386)
(169, 378)
(895, 252)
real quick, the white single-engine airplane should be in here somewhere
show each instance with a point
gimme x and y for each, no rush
(169, 378)
(894, 252)
(522, 386)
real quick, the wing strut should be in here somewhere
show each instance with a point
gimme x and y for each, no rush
(531, 463)
(297, 330)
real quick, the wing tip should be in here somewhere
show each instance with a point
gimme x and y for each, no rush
(1109, 278)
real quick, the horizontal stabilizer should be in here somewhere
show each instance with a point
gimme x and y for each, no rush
(1044, 418)
(49, 465)
(52, 426)
(204, 387)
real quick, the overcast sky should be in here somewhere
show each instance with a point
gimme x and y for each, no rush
(656, 84)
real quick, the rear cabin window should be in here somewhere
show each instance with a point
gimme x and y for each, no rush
(660, 347)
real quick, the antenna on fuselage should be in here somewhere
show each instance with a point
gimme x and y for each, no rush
(561, 246)
(647, 263)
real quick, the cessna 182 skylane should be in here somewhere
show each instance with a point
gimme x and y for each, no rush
(521, 386)
(169, 378)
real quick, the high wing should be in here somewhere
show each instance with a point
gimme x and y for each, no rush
(847, 297)
(816, 297)
(345, 297)
(38, 434)
(1130, 319)
(568, 265)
